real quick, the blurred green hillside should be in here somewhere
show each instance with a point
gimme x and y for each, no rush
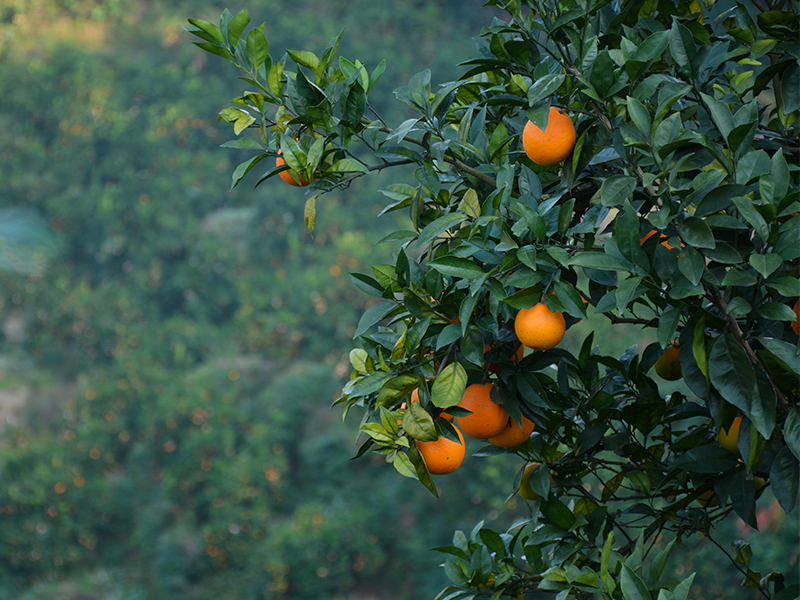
(169, 348)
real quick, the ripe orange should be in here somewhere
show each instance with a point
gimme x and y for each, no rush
(513, 434)
(796, 322)
(668, 366)
(443, 456)
(730, 439)
(415, 398)
(554, 144)
(291, 176)
(649, 234)
(487, 419)
(539, 328)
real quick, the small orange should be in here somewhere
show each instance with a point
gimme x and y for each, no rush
(495, 367)
(554, 144)
(291, 176)
(442, 455)
(796, 322)
(708, 499)
(730, 439)
(668, 365)
(539, 328)
(513, 434)
(487, 419)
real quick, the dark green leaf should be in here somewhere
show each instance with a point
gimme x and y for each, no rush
(730, 372)
(616, 189)
(785, 478)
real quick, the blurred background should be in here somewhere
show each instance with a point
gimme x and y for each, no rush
(169, 349)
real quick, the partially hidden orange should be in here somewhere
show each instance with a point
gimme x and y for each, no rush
(729, 439)
(487, 419)
(539, 328)
(668, 365)
(513, 435)
(495, 367)
(796, 322)
(443, 456)
(554, 144)
(290, 176)
(663, 236)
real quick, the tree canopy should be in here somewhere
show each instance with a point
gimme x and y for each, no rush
(676, 210)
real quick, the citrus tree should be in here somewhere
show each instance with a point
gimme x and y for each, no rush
(635, 157)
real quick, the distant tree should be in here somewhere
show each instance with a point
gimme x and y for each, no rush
(673, 207)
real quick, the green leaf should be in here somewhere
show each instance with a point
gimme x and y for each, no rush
(439, 226)
(752, 216)
(208, 28)
(626, 232)
(244, 168)
(639, 116)
(605, 562)
(237, 25)
(697, 233)
(257, 48)
(348, 165)
(705, 459)
(470, 205)
(448, 387)
(418, 423)
(421, 468)
(616, 189)
(659, 563)
(633, 588)
(544, 87)
(304, 58)
(682, 48)
(404, 466)
(784, 476)
(599, 261)
(791, 431)
(720, 113)
(765, 264)
(556, 512)
(668, 325)
(456, 267)
(692, 264)
(731, 373)
(784, 352)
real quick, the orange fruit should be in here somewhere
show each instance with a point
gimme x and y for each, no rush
(796, 322)
(291, 176)
(442, 455)
(554, 144)
(525, 490)
(487, 419)
(708, 499)
(513, 434)
(668, 366)
(730, 439)
(539, 328)
(649, 234)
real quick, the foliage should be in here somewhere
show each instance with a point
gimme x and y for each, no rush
(687, 123)
(161, 289)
